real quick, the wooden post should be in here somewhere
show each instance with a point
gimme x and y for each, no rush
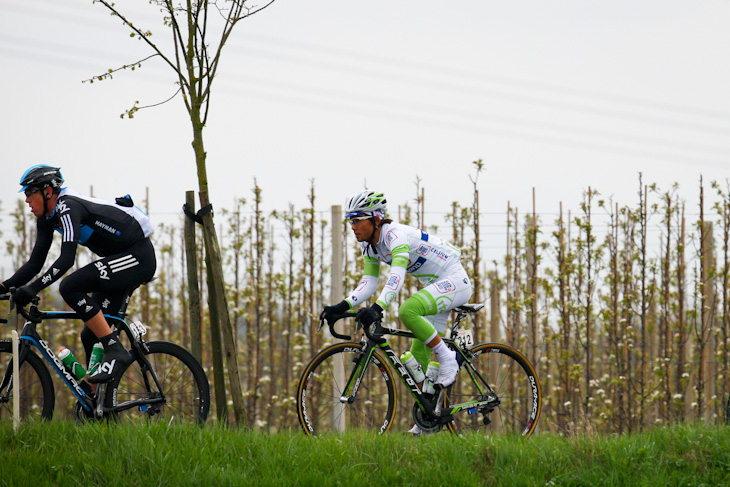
(494, 316)
(477, 297)
(336, 294)
(708, 319)
(531, 242)
(191, 256)
(16, 382)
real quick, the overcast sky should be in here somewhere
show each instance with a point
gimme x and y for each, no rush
(553, 95)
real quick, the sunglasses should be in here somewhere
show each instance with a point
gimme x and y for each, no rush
(354, 219)
(30, 192)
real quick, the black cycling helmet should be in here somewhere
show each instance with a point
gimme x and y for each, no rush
(41, 176)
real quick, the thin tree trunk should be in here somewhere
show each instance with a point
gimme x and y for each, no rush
(215, 268)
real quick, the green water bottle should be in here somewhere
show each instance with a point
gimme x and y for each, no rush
(97, 354)
(71, 363)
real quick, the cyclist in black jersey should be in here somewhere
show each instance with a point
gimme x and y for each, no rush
(117, 232)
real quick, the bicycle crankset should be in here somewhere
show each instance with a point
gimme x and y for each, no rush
(82, 416)
(425, 421)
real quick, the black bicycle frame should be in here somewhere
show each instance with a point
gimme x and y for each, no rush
(375, 342)
(29, 337)
(431, 406)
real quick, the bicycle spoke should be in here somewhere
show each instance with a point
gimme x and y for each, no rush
(322, 387)
(516, 407)
(184, 387)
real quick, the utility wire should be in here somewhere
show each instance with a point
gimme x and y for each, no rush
(434, 115)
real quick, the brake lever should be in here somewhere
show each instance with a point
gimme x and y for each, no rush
(11, 291)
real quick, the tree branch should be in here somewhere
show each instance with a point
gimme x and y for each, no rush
(108, 74)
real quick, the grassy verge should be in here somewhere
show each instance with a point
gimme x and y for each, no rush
(60, 454)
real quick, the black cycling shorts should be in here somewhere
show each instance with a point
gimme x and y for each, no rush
(103, 284)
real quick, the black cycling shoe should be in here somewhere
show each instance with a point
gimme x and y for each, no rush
(116, 358)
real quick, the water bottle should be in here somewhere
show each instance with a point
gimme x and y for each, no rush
(97, 356)
(71, 363)
(432, 374)
(414, 368)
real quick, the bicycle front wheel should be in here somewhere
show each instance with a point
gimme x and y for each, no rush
(327, 401)
(183, 394)
(513, 398)
(37, 398)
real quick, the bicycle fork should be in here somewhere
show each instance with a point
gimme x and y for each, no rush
(6, 386)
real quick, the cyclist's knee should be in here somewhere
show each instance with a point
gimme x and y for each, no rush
(412, 313)
(67, 289)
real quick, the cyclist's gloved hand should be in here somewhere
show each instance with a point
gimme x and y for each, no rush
(23, 295)
(335, 309)
(368, 316)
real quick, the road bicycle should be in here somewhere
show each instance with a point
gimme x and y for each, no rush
(164, 382)
(350, 385)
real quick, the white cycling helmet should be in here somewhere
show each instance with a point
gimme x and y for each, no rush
(366, 203)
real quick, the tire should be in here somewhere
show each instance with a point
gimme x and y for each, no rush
(321, 386)
(37, 397)
(515, 383)
(183, 380)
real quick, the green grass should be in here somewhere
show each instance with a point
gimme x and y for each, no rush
(61, 453)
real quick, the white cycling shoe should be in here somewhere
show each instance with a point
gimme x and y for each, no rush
(415, 431)
(448, 368)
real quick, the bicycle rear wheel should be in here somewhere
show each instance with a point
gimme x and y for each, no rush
(37, 397)
(183, 384)
(321, 405)
(515, 398)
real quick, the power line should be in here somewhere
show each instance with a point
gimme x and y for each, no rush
(479, 77)
(356, 60)
(338, 100)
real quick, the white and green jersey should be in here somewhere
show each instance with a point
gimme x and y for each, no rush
(407, 250)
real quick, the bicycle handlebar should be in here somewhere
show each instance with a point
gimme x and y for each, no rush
(33, 314)
(376, 335)
(335, 319)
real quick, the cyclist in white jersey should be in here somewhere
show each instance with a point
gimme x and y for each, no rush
(435, 263)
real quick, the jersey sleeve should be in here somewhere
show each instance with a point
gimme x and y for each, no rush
(44, 238)
(368, 284)
(397, 275)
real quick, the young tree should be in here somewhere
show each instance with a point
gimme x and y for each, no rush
(199, 31)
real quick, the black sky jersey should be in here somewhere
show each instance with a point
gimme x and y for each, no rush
(104, 227)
